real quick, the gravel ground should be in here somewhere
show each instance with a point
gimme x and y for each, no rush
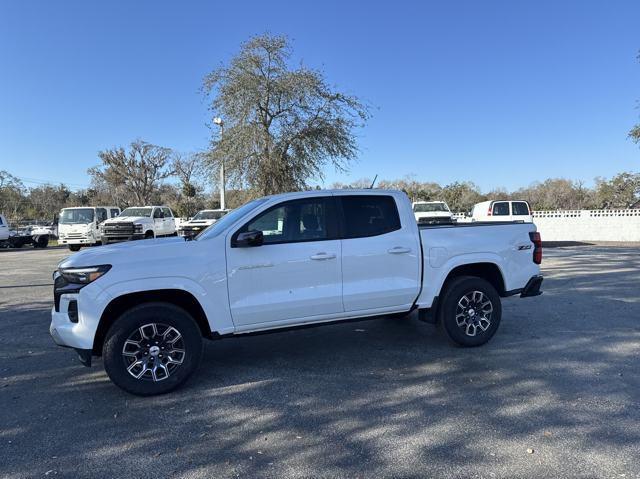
(554, 394)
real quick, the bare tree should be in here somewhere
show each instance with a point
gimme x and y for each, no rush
(132, 177)
(282, 125)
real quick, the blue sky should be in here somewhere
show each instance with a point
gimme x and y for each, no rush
(502, 93)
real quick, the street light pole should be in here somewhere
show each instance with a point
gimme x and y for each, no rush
(218, 121)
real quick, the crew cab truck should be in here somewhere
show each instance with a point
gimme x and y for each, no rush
(295, 259)
(200, 222)
(80, 226)
(136, 222)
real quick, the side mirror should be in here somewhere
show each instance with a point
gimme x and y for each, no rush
(249, 238)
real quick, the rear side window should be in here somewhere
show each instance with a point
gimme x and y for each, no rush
(167, 213)
(501, 208)
(369, 215)
(1, 223)
(520, 208)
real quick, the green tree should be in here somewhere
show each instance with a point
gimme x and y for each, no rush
(282, 125)
(621, 191)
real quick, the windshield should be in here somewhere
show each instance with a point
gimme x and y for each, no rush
(76, 216)
(219, 226)
(137, 212)
(429, 207)
(209, 215)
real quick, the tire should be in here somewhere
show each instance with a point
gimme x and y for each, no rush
(125, 354)
(470, 311)
(41, 242)
(149, 235)
(74, 247)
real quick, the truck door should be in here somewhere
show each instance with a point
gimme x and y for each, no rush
(169, 222)
(158, 222)
(380, 255)
(296, 272)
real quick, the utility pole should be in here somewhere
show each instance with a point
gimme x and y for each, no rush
(218, 121)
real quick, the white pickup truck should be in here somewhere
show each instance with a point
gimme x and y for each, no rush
(139, 223)
(282, 261)
(200, 222)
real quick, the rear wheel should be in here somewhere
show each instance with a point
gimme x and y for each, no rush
(74, 247)
(470, 311)
(152, 349)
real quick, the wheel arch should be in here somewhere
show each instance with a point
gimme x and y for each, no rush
(486, 270)
(120, 304)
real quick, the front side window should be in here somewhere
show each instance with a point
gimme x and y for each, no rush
(501, 209)
(369, 215)
(295, 221)
(114, 212)
(102, 214)
(157, 213)
(520, 208)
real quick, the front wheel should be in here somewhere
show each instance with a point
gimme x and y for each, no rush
(152, 349)
(470, 311)
(74, 247)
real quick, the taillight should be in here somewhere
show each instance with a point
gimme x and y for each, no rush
(489, 212)
(537, 247)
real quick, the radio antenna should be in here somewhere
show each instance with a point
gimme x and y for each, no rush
(373, 182)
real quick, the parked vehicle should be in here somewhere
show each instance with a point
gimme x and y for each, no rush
(295, 259)
(139, 223)
(78, 227)
(36, 236)
(201, 221)
(502, 210)
(4, 229)
(431, 212)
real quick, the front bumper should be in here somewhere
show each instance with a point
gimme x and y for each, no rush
(70, 335)
(113, 238)
(76, 241)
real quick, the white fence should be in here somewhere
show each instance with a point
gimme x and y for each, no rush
(588, 225)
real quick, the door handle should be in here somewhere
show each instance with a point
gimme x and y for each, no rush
(399, 250)
(322, 256)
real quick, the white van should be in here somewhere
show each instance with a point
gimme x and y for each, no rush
(80, 226)
(502, 210)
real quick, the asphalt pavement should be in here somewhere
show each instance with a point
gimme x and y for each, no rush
(555, 394)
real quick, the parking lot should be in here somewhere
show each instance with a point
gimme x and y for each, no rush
(554, 394)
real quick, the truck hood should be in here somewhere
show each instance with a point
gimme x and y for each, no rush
(129, 219)
(199, 222)
(120, 253)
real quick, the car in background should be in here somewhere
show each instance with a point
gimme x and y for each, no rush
(432, 212)
(139, 222)
(80, 226)
(502, 210)
(200, 222)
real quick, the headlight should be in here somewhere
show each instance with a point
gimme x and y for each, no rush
(84, 275)
(137, 228)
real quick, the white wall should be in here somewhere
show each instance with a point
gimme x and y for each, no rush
(588, 225)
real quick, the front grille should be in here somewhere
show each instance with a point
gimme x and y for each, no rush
(75, 236)
(119, 229)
